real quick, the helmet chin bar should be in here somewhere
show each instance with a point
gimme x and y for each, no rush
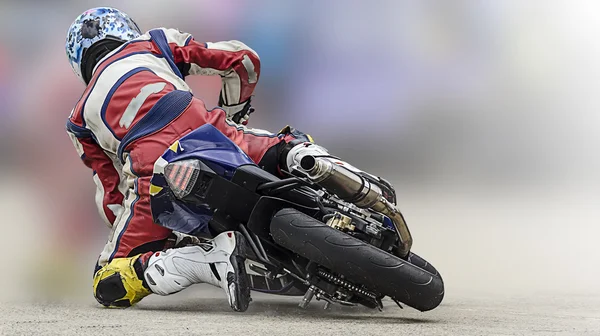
(95, 53)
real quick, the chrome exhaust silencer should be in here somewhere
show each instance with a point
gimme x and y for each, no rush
(355, 189)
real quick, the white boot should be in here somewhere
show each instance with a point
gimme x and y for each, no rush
(219, 262)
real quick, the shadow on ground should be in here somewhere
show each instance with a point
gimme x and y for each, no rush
(288, 307)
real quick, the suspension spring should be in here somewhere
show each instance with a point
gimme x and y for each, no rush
(345, 284)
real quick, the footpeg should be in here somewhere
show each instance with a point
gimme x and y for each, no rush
(308, 296)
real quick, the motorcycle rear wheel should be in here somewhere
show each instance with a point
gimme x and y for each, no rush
(419, 287)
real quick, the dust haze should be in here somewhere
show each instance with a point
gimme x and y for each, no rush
(491, 139)
(484, 115)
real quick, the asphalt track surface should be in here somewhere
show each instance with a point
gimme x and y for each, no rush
(202, 311)
(521, 263)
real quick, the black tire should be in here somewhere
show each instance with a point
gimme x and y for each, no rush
(358, 261)
(421, 263)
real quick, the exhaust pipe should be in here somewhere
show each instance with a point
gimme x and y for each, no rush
(355, 189)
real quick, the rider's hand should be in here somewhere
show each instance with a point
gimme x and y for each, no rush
(239, 113)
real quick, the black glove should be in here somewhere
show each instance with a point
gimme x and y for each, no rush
(238, 113)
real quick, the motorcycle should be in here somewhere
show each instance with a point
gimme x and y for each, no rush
(325, 231)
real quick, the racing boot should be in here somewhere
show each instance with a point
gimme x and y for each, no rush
(219, 262)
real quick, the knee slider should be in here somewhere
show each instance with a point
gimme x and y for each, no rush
(118, 285)
(111, 292)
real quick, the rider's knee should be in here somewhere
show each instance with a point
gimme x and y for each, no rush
(119, 283)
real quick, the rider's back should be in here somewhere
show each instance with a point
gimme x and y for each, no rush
(127, 83)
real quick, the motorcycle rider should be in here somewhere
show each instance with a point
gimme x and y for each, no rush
(135, 106)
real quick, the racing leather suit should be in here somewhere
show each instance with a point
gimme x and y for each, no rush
(135, 106)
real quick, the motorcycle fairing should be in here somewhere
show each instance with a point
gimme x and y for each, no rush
(218, 154)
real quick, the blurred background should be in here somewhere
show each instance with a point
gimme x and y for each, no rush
(485, 115)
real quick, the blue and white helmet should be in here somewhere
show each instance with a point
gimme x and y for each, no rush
(93, 26)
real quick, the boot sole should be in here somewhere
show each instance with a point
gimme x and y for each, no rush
(240, 277)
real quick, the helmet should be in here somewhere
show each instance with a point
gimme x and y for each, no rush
(94, 34)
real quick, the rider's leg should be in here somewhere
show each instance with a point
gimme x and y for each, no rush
(219, 262)
(119, 280)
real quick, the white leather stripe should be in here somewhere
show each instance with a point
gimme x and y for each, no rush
(76, 143)
(252, 78)
(233, 88)
(121, 220)
(232, 45)
(136, 103)
(253, 131)
(108, 78)
(175, 36)
(116, 209)
(119, 168)
(99, 198)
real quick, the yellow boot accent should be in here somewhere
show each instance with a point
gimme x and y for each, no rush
(117, 285)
